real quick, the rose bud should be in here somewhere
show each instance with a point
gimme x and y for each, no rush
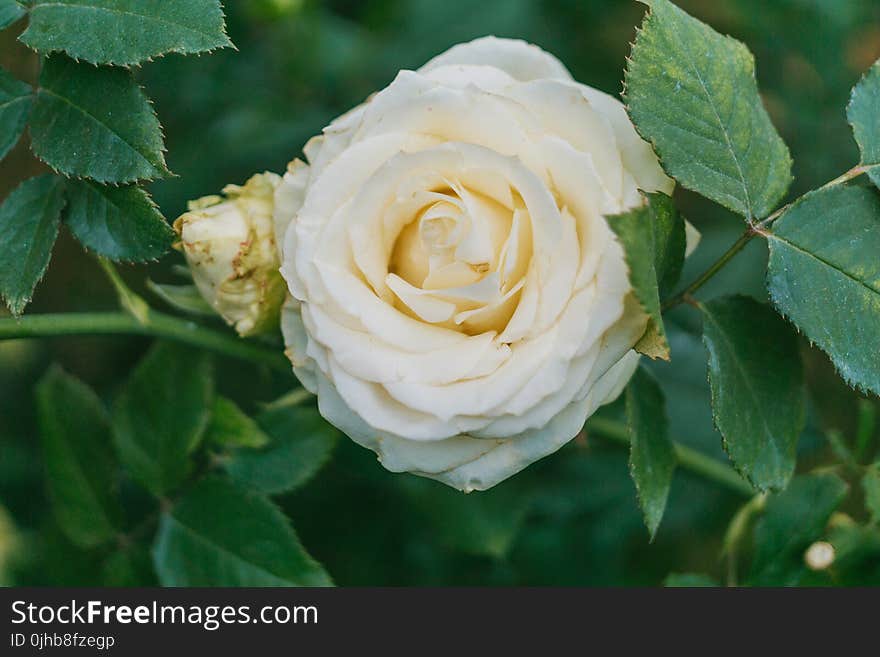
(229, 244)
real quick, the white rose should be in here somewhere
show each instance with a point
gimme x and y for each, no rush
(458, 302)
(229, 244)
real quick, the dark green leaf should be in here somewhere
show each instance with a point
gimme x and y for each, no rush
(692, 93)
(653, 240)
(757, 383)
(652, 457)
(10, 11)
(863, 113)
(793, 520)
(824, 275)
(95, 122)
(161, 415)
(857, 555)
(231, 427)
(871, 486)
(221, 535)
(125, 32)
(688, 580)
(185, 298)
(670, 241)
(121, 223)
(29, 220)
(301, 442)
(15, 105)
(78, 455)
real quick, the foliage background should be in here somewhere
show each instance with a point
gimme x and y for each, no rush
(570, 519)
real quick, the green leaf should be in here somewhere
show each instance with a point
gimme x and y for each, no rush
(78, 454)
(863, 113)
(651, 457)
(692, 93)
(231, 427)
(29, 220)
(793, 520)
(121, 223)
(653, 241)
(689, 580)
(871, 487)
(161, 415)
(221, 535)
(10, 11)
(125, 32)
(95, 122)
(185, 298)
(670, 241)
(757, 383)
(824, 275)
(15, 105)
(857, 555)
(301, 443)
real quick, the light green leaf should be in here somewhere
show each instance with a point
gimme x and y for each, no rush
(221, 535)
(185, 298)
(29, 219)
(125, 32)
(121, 223)
(653, 241)
(863, 113)
(161, 415)
(15, 105)
(871, 487)
(688, 581)
(301, 443)
(824, 275)
(757, 383)
(231, 427)
(95, 122)
(793, 520)
(692, 93)
(10, 11)
(652, 457)
(78, 454)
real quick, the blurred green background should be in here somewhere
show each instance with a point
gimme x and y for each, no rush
(570, 519)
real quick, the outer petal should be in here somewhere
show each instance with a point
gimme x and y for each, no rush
(512, 455)
(518, 59)
(638, 157)
(289, 197)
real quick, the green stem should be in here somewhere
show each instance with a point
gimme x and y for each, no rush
(737, 531)
(152, 324)
(689, 459)
(757, 228)
(704, 278)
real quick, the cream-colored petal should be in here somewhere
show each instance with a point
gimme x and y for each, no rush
(638, 156)
(521, 60)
